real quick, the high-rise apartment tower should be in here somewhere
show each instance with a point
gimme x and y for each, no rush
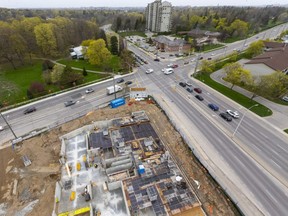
(158, 16)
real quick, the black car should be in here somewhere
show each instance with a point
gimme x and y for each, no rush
(29, 110)
(189, 89)
(69, 103)
(199, 97)
(226, 116)
(120, 80)
(128, 82)
(157, 59)
(182, 84)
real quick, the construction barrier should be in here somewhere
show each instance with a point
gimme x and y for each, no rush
(78, 166)
(76, 212)
(72, 195)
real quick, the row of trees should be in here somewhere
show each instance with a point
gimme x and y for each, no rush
(47, 38)
(230, 21)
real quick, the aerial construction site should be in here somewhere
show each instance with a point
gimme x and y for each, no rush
(124, 161)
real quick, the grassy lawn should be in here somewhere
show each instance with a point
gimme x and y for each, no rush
(23, 76)
(286, 131)
(124, 34)
(237, 97)
(211, 47)
(114, 63)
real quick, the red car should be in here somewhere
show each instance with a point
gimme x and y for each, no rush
(198, 90)
(174, 66)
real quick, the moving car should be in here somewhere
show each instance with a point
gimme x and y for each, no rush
(89, 90)
(29, 110)
(187, 62)
(209, 58)
(214, 107)
(200, 58)
(120, 80)
(128, 82)
(189, 89)
(1, 128)
(234, 114)
(198, 90)
(226, 116)
(150, 70)
(156, 59)
(168, 71)
(182, 84)
(199, 97)
(69, 103)
(188, 83)
(170, 65)
(174, 66)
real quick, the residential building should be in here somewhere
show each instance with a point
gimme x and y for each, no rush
(273, 59)
(158, 16)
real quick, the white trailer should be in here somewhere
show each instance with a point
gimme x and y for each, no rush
(111, 89)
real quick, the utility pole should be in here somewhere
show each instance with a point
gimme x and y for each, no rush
(8, 125)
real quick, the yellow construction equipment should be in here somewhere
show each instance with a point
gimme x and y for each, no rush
(78, 166)
(76, 212)
(72, 195)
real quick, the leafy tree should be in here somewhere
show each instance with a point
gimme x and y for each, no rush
(56, 73)
(118, 24)
(36, 89)
(70, 77)
(47, 65)
(84, 72)
(97, 53)
(46, 39)
(237, 75)
(102, 35)
(255, 48)
(127, 60)
(7, 90)
(239, 28)
(29, 94)
(114, 45)
(207, 66)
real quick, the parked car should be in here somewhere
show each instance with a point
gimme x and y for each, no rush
(199, 97)
(198, 90)
(128, 82)
(69, 103)
(214, 107)
(182, 84)
(150, 70)
(234, 114)
(29, 110)
(156, 59)
(200, 58)
(145, 62)
(226, 116)
(285, 98)
(209, 58)
(171, 55)
(189, 89)
(120, 80)
(89, 90)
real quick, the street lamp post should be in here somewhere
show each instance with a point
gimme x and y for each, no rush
(8, 125)
(243, 118)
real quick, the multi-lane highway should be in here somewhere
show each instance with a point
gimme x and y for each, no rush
(254, 161)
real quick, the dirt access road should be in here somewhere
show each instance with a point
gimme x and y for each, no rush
(36, 183)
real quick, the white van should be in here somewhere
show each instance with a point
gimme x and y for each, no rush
(168, 71)
(149, 71)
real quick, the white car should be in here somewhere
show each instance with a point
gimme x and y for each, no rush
(285, 98)
(234, 114)
(89, 90)
(149, 71)
(170, 65)
(1, 128)
(168, 71)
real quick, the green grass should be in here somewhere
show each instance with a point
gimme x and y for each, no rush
(211, 47)
(286, 131)
(114, 63)
(124, 34)
(237, 97)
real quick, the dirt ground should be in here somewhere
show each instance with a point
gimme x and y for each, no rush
(37, 181)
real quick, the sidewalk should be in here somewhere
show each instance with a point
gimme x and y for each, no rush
(279, 118)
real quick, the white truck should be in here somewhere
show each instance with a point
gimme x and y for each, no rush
(111, 89)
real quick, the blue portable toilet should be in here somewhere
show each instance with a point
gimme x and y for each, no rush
(117, 102)
(141, 169)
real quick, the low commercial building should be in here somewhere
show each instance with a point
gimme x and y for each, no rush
(164, 43)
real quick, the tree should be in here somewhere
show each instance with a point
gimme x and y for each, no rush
(114, 45)
(237, 75)
(84, 72)
(56, 74)
(255, 48)
(46, 39)
(238, 28)
(70, 77)
(118, 24)
(102, 35)
(36, 89)
(7, 89)
(97, 53)
(127, 59)
(207, 66)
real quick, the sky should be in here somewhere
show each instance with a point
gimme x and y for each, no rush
(130, 3)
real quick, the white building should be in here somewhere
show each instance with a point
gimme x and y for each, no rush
(158, 16)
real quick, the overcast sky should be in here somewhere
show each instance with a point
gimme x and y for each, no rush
(130, 3)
